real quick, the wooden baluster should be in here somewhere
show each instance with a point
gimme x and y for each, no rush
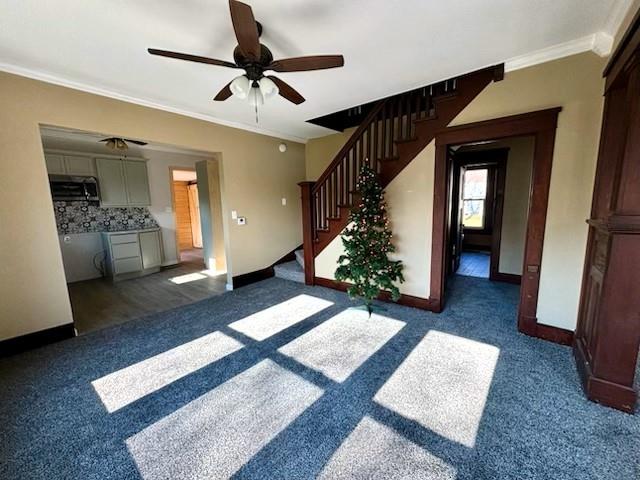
(375, 143)
(409, 115)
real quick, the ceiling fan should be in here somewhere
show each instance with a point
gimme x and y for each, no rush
(117, 143)
(255, 59)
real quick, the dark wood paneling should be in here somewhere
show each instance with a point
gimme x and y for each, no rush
(405, 300)
(30, 341)
(608, 332)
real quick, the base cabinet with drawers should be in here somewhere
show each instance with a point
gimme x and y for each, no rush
(133, 253)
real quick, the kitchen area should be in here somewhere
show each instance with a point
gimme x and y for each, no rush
(112, 245)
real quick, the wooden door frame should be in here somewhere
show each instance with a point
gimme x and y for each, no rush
(542, 126)
(173, 203)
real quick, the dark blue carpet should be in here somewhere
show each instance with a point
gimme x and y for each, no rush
(407, 394)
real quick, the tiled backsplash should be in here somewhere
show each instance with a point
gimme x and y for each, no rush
(83, 217)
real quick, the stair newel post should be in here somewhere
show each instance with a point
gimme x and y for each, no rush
(308, 230)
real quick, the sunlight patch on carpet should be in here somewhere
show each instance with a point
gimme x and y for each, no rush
(265, 323)
(443, 384)
(340, 345)
(216, 434)
(373, 450)
(125, 386)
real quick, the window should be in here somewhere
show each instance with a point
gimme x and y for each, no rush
(474, 197)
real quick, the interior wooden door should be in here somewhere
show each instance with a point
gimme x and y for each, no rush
(183, 217)
(194, 212)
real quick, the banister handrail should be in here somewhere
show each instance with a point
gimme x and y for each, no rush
(355, 136)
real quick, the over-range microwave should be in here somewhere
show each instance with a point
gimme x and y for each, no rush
(72, 188)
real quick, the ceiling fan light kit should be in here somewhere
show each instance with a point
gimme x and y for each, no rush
(255, 58)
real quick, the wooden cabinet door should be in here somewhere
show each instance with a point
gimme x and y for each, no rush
(137, 182)
(113, 191)
(151, 249)
(55, 163)
(79, 165)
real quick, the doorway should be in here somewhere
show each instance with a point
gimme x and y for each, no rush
(540, 125)
(477, 178)
(186, 208)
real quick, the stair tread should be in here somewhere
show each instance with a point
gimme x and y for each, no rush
(289, 271)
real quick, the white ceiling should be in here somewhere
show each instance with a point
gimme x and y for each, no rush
(56, 138)
(389, 46)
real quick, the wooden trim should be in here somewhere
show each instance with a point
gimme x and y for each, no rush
(405, 300)
(602, 391)
(262, 274)
(629, 44)
(496, 234)
(506, 277)
(542, 124)
(306, 189)
(33, 340)
(252, 277)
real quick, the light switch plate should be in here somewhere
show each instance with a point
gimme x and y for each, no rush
(242, 221)
(284, 201)
(234, 214)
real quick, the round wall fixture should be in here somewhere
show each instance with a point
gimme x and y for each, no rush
(282, 147)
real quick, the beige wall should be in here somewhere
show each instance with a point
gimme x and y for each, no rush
(319, 152)
(516, 201)
(33, 293)
(516, 204)
(574, 83)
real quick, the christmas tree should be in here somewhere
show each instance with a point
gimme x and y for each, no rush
(367, 242)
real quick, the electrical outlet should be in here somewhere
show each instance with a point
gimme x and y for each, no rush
(242, 221)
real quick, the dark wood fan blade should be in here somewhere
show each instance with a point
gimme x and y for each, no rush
(137, 142)
(302, 64)
(191, 58)
(223, 94)
(287, 91)
(244, 24)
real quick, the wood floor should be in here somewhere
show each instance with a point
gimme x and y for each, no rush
(100, 303)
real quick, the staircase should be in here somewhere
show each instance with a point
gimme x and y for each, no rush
(293, 270)
(389, 138)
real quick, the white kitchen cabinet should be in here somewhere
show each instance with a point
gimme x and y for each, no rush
(137, 182)
(55, 163)
(79, 165)
(132, 254)
(123, 182)
(113, 191)
(59, 163)
(151, 249)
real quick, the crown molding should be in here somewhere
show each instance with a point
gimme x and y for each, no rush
(600, 43)
(63, 82)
